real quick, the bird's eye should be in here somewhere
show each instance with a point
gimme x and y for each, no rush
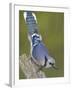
(51, 63)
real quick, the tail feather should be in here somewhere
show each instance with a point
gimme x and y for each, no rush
(31, 22)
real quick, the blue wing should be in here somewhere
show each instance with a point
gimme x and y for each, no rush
(40, 52)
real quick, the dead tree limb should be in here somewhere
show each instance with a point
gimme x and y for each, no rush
(30, 69)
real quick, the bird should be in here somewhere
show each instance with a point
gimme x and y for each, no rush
(39, 52)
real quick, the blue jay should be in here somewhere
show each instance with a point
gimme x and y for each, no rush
(39, 52)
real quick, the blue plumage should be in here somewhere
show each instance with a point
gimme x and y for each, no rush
(39, 52)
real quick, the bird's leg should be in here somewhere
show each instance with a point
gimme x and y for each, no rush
(34, 62)
(40, 68)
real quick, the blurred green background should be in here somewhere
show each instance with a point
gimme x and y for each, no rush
(51, 27)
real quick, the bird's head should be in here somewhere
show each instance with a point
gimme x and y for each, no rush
(51, 63)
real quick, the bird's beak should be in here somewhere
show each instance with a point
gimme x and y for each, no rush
(53, 66)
